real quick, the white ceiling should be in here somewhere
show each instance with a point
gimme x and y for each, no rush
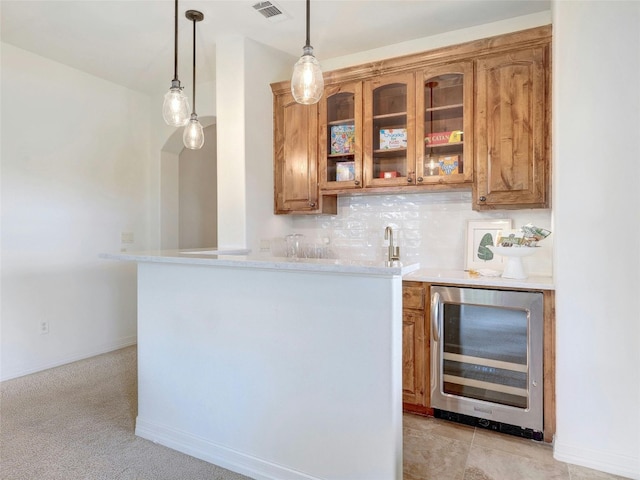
(130, 42)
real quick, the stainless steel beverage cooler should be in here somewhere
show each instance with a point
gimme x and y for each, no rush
(486, 348)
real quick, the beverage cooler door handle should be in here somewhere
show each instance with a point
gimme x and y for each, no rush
(435, 316)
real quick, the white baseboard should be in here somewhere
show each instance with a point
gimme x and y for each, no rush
(609, 462)
(105, 348)
(219, 455)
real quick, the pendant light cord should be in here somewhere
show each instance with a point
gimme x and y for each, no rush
(308, 23)
(175, 43)
(194, 66)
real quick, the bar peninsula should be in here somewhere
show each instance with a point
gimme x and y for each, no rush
(274, 368)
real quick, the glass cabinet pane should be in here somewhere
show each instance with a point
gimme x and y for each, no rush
(390, 135)
(445, 114)
(340, 137)
(443, 125)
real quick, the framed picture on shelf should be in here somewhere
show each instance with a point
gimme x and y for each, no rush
(481, 233)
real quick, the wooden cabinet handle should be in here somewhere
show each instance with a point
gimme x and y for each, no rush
(312, 204)
(357, 182)
(483, 198)
(420, 179)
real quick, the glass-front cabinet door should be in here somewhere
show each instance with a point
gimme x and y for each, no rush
(445, 130)
(340, 151)
(389, 130)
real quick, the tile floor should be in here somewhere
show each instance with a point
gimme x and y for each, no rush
(440, 450)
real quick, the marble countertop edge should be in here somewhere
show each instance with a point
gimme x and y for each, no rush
(461, 277)
(244, 259)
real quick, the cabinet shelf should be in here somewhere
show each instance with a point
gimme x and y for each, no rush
(346, 121)
(390, 152)
(336, 156)
(458, 106)
(454, 114)
(387, 116)
(450, 144)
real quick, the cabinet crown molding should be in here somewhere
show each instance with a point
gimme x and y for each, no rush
(443, 55)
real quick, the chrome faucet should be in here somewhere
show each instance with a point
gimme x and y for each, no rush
(394, 252)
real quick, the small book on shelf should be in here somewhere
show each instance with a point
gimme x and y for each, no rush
(449, 164)
(441, 138)
(345, 171)
(393, 138)
(343, 139)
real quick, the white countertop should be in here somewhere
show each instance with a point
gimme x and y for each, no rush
(460, 277)
(244, 259)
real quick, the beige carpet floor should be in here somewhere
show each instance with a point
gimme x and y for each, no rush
(76, 422)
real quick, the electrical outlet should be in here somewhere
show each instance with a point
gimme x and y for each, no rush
(43, 328)
(265, 245)
(126, 238)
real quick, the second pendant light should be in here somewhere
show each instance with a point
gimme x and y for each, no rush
(193, 136)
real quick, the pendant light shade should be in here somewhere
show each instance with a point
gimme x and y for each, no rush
(175, 109)
(307, 83)
(193, 136)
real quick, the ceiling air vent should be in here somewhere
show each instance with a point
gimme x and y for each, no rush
(270, 11)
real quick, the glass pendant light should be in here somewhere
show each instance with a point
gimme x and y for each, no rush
(307, 84)
(175, 109)
(193, 136)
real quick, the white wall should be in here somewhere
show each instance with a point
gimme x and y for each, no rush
(75, 166)
(198, 194)
(245, 70)
(597, 227)
(264, 66)
(230, 85)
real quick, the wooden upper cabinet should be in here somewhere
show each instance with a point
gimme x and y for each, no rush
(295, 156)
(475, 115)
(444, 123)
(389, 130)
(340, 137)
(512, 130)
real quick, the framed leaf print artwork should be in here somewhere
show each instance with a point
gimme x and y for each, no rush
(481, 233)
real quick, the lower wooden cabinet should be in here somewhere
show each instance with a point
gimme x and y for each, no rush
(415, 346)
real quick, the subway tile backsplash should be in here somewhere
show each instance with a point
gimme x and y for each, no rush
(430, 228)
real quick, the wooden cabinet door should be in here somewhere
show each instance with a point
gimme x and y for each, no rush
(444, 124)
(512, 130)
(413, 388)
(415, 346)
(389, 130)
(295, 156)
